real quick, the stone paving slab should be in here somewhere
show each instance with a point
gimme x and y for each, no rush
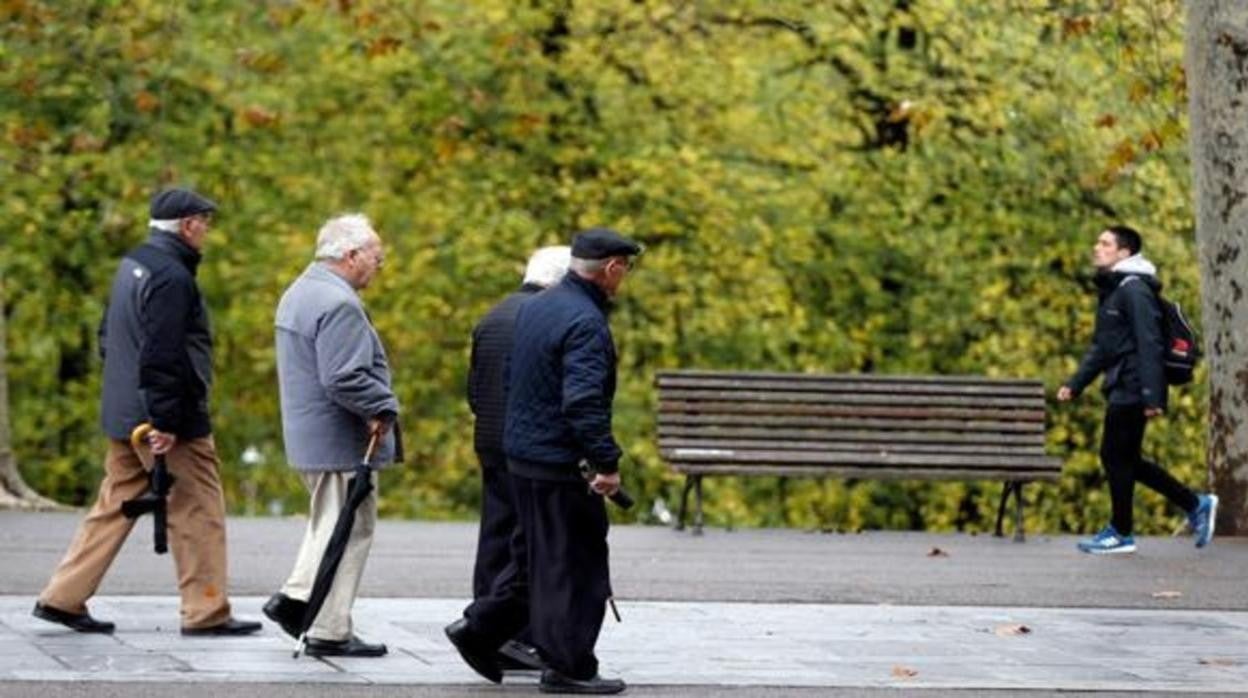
(681, 643)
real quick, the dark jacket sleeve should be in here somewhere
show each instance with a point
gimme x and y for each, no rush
(344, 364)
(474, 379)
(165, 369)
(1095, 360)
(1142, 308)
(586, 367)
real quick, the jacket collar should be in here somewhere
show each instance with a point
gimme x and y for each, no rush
(176, 246)
(320, 272)
(589, 288)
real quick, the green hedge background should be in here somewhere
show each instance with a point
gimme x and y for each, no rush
(900, 186)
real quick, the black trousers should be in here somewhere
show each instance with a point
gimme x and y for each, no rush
(559, 581)
(498, 522)
(1124, 466)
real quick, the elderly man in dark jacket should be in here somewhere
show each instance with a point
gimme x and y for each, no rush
(157, 349)
(1128, 347)
(336, 393)
(561, 384)
(500, 540)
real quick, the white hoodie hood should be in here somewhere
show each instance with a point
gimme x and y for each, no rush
(1135, 264)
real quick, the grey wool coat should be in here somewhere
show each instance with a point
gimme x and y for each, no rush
(332, 373)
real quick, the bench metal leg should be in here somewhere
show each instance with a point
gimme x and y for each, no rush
(684, 503)
(697, 516)
(1015, 488)
(1005, 496)
(1018, 512)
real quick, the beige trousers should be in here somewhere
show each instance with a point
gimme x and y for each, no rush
(329, 491)
(196, 528)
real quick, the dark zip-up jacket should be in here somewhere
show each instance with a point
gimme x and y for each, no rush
(561, 384)
(156, 342)
(487, 370)
(1127, 344)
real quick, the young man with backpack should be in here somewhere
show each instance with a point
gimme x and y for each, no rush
(1131, 345)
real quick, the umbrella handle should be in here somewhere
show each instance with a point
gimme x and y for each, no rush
(372, 446)
(139, 435)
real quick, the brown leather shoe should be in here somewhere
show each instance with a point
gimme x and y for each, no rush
(231, 627)
(82, 622)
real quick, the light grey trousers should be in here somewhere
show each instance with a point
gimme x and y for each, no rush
(329, 491)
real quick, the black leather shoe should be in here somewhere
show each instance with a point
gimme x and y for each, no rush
(471, 648)
(518, 656)
(82, 622)
(355, 647)
(230, 627)
(554, 682)
(286, 612)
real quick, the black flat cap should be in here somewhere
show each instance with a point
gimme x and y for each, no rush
(174, 203)
(600, 243)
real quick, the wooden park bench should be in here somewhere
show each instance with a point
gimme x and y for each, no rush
(853, 426)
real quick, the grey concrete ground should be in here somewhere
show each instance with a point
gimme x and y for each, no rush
(745, 613)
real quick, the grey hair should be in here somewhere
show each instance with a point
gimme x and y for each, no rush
(341, 234)
(588, 266)
(169, 225)
(548, 265)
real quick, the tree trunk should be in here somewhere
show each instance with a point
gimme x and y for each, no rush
(14, 492)
(1217, 78)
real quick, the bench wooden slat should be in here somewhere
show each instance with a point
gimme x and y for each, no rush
(831, 457)
(848, 398)
(668, 432)
(1033, 449)
(833, 378)
(1031, 390)
(881, 473)
(913, 412)
(844, 422)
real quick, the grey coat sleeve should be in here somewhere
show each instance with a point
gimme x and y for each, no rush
(345, 363)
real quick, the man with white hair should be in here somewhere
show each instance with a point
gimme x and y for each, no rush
(500, 541)
(336, 395)
(156, 344)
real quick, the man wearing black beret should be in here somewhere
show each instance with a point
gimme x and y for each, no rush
(157, 349)
(560, 387)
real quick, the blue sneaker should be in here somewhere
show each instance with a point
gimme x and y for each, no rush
(1108, 542)
(1203, 519)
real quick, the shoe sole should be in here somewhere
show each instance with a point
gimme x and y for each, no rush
(1213, 520)
(280, 623)
(1120, 550)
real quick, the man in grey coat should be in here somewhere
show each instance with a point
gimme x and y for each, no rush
(335, 395)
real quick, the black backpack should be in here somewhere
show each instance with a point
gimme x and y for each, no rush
(1182, 347)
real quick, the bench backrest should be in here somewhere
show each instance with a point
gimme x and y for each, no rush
(719, 422)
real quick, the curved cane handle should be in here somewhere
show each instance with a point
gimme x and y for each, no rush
(139, 436)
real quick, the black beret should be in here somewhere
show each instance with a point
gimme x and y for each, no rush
(175, 203)
(600, 243)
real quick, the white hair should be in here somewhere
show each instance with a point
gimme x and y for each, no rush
(548, 265)
(341, 234)
(169, 225)
(588, 266)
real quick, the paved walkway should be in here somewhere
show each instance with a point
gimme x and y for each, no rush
(678, 643)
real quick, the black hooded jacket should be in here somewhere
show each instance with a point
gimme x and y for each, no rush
(1127, 344)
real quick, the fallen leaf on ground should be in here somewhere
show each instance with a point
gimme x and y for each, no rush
(904, 672)
(1218, 661)
(1167, 594)
(937, 552)
(1011, 629)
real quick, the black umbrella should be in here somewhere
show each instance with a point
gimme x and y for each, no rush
(155, 499)
(357, 490)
